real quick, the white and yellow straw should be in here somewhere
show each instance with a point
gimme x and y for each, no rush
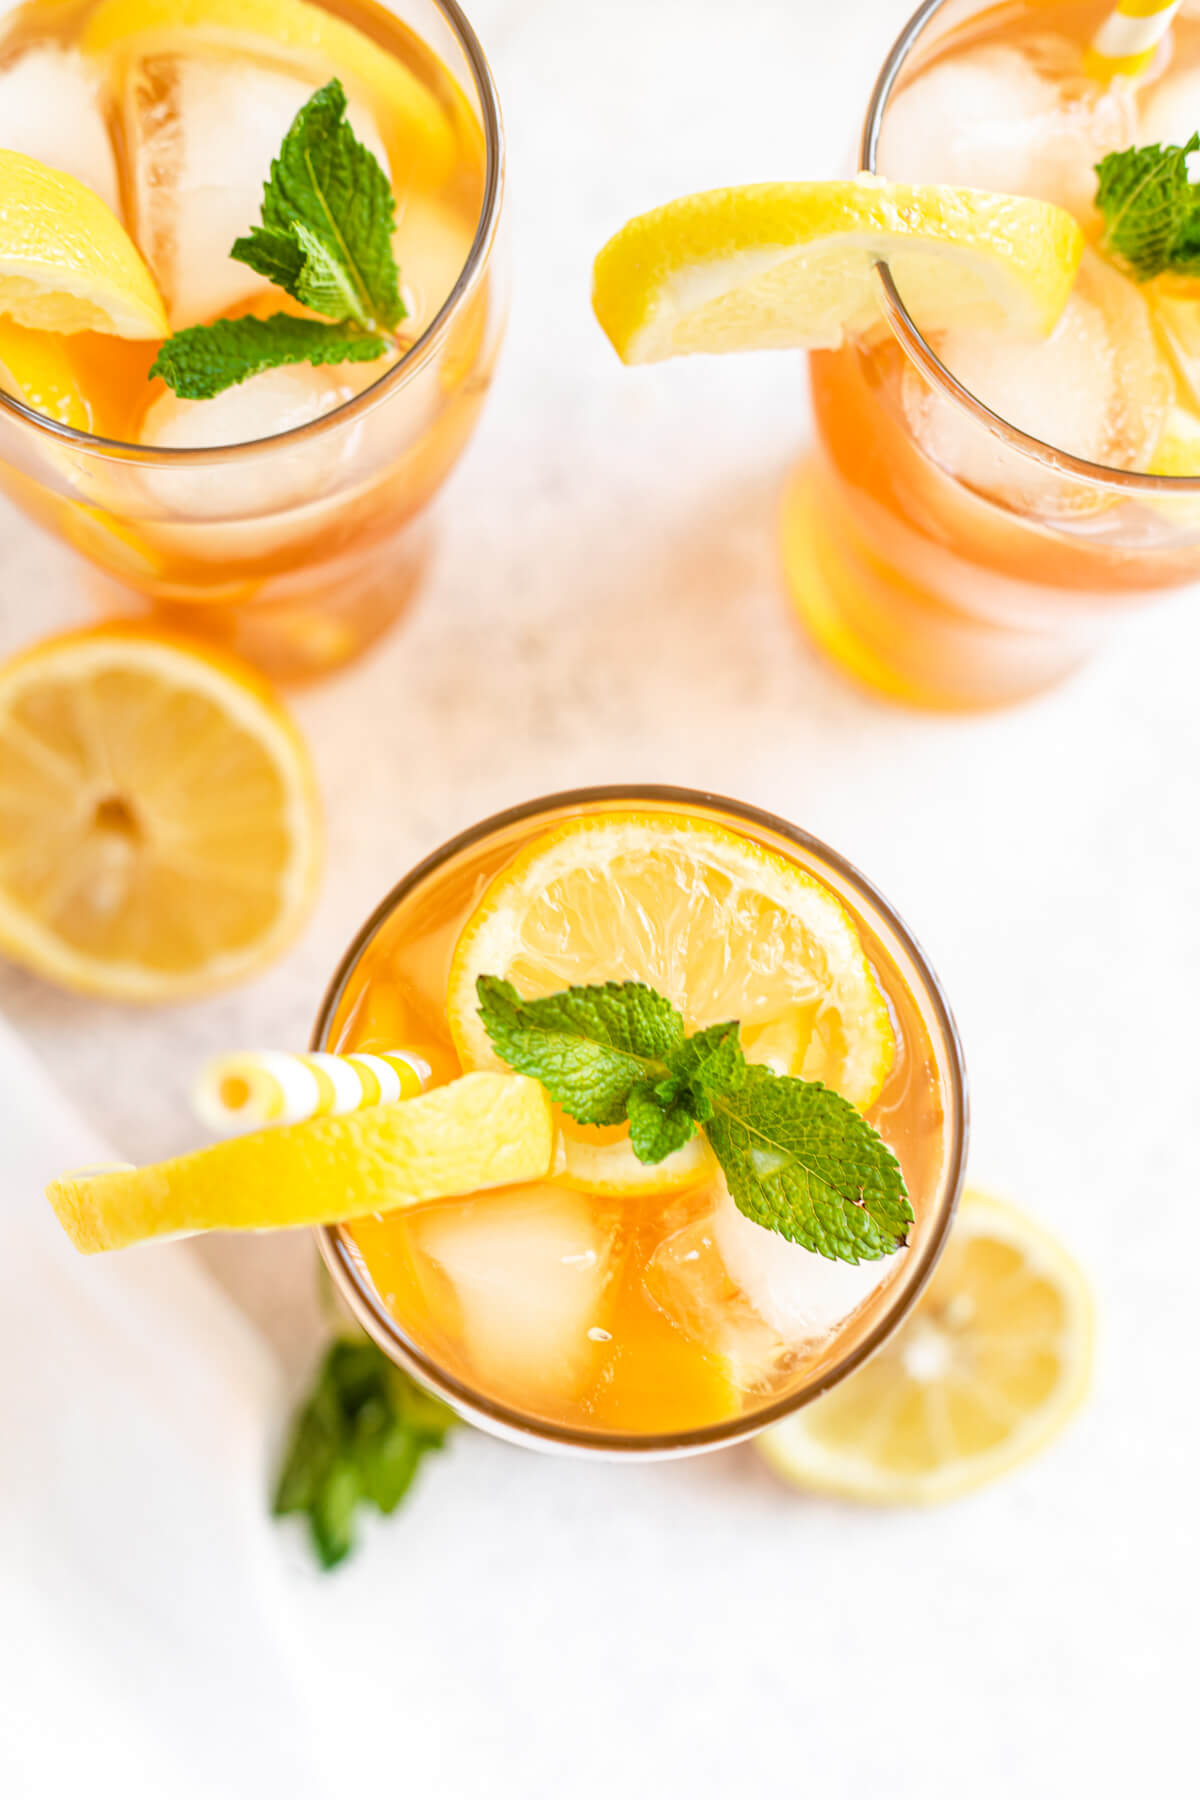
(274, 1087)
(1128, 40)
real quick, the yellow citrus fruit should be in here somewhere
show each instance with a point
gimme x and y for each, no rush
(988, 1368)
(41, 371)
(159, 823)
(419, 137)
(724, 927)
(66, 261)
(479, 1132)
(791, 265)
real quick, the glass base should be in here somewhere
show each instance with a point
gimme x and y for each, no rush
(898, 635)
(298, 626)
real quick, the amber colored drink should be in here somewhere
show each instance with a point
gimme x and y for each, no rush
(282, 516)
(557, 1313)
(976, 511)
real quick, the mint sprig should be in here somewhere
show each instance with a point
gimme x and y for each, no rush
(798, 1158)
(357, 1440)
(1151, 210)
(325, 238)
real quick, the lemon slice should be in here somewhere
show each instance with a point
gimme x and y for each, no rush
(38, 367)
(159, 827)
(418, 134)
(66, 262)
(1178, 449)
(480, 1132)
(725, 928)
(791, 265)
(988, 1369)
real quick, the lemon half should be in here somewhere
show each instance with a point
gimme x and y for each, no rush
(988, 1369)
(159, 825)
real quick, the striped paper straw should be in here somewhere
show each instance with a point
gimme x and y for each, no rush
(1128, 40)
(274, 1087)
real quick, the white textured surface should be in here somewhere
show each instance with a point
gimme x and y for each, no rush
(605, 605)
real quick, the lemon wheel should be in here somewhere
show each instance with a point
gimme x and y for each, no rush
(159, 825)
(988, 1369)
(724, 927)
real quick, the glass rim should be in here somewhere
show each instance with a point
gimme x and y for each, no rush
(359, 1294)
(922, 354)
(400, 373)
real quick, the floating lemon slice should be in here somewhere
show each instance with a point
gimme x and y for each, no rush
(791, 265)
(988, 1369)
(159, 825)
(419, 137)
(66, 262)
(725, 928)
(480, 1132)
(41, 371)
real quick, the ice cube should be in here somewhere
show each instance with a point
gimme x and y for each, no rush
(1169, 111)
(1098, 387)
(430, 245)
(1014, 120)
(201, 133)
(528, 1267)
(688, 1280)
(800, 1295)
(49, 108)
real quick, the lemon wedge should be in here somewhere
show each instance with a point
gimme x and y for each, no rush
(418, 134)
(159, 826)
(791, 265)
(479, 1132)
(66, 261)
(988, 1369)
(724, 927)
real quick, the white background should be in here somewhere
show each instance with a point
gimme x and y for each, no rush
(605, 605)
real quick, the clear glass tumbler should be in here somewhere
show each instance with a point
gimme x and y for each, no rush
(396, 968)
(947, 591)
(298, 549)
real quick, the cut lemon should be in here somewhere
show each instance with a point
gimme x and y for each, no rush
(724, 927)
(480, 1132)
(791, 265)
(38, 367)
(989, 1368)
(159, 826)
(66, 261)
(419, 136)
(1178, 449)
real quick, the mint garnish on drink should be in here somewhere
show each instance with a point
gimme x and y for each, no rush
(797, 1157)
(1151, 210)
(326, 239)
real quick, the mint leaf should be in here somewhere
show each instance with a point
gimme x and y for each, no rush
(1151, 210)
(357, 1440)
(588, 1046)
(325, 239)
(710, 1062)
(656, 1129)
(206, 359)
(802, 1161)
(327, 219)
(798, 1158)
